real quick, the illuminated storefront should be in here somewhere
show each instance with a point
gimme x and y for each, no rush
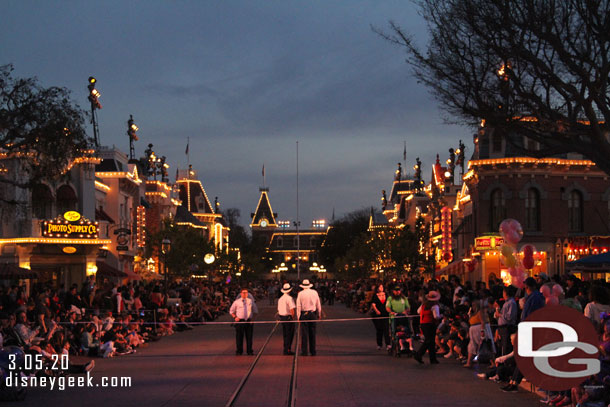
(62, 250)
(487, 259)
(583, 247)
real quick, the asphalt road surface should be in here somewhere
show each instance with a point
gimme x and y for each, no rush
(200, 368)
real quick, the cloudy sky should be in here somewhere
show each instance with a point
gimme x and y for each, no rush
(245, 80)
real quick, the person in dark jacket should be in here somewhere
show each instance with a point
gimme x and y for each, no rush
(378, 310)
(534, 300)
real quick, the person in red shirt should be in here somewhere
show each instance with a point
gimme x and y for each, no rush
(429, 315)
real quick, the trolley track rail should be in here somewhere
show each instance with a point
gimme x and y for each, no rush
(290, 400)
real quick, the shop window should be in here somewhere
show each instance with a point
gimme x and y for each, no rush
(498, 209)
(496, 142)
(575, 212)
(530, 144)
(42, 202)
(296, 242)
(66, 199)
(312, 242)
(280, 242)
(532, 209)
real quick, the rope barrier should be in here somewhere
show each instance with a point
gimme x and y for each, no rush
(242, 322)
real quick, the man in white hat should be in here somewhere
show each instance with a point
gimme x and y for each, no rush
(308, 308)
(286, 310)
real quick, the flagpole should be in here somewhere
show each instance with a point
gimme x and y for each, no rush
(298, 222)
(404, 158)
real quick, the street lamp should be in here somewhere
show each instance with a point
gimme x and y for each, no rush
(131, 132)
(94, 96)
(166, 245)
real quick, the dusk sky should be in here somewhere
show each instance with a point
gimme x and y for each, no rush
(245, 80)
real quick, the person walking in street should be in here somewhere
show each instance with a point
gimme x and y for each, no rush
(243, 311)
(397, 305)
(429, 315)
(379, 310)
(308, 309)
(286, 309)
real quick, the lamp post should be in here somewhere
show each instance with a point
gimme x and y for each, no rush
(94, 96)
(166, 245)
(131, 132)
(209, 258)
(460, 158)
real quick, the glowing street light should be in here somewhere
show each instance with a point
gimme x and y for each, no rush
(131, 132)
(94, 96)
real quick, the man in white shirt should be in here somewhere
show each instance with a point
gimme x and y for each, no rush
(286, 310)
(243, 310)
(308, 309)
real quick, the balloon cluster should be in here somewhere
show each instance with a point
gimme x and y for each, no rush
(551, 292)
(512, 233)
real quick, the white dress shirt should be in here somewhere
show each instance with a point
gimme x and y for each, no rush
(308, 300)
(285, 304)
(243, 308)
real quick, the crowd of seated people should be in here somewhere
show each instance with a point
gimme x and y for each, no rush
(104, 319)
(479, 322)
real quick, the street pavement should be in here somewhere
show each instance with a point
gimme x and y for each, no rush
(200, 368)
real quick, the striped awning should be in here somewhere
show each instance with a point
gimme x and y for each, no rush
(11, 271)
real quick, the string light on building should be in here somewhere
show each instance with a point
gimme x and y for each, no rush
(446, 239)
(141, 226)
(101, 186)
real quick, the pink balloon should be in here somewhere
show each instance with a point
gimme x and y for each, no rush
(513, 237)
(511, 231)
(517, 282)
(552, 300)
(551, 293)
(557, 290)
(513, 271)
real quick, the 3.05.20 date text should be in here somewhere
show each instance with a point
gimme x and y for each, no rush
(37, 362)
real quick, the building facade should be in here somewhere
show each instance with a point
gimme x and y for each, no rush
(289, 250)
(51, 228)
(561, 202)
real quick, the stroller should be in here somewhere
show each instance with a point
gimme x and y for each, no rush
(400, 334)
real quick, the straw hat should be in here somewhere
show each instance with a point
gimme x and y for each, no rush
(433, 296)
(306, 284)
(286, 289)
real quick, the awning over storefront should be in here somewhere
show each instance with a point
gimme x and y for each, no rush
(456, 268)
(597, 264)
(133, 276)
(106, 270)
(11, 271)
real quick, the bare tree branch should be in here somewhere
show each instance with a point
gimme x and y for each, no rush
(556, 61)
